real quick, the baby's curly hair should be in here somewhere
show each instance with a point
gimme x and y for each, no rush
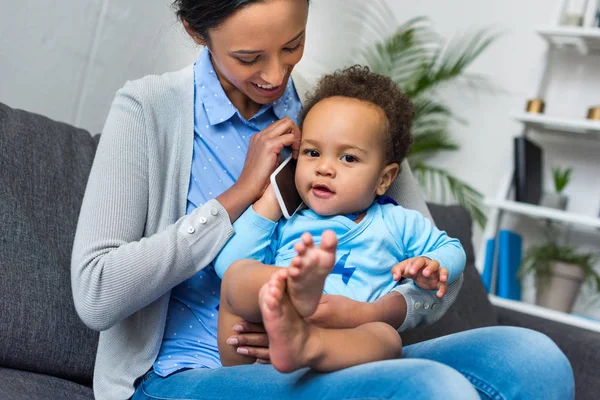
(358, 82)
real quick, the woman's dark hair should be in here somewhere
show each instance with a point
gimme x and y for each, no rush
(203, 15)
(358, 82)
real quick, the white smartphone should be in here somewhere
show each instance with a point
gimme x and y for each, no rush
(284, 184)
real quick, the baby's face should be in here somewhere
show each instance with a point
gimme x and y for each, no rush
(341, 158)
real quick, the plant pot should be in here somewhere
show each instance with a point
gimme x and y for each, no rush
(554, 200)
(561, 290)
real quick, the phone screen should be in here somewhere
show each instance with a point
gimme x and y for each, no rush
(285, 182)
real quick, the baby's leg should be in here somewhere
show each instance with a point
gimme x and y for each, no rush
(239, 302)
(308, 270)
(295, 344)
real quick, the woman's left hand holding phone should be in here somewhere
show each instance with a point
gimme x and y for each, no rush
(261, 160)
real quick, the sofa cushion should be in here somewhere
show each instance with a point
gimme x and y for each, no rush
(45, 165)
(22, 385)
(472, 308)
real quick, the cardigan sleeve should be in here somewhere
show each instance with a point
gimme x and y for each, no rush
(115, 269)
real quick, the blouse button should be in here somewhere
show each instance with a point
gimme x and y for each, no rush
(191, 230)
(214, 211)
(202, 220)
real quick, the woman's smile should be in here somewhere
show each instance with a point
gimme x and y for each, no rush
(270, 91)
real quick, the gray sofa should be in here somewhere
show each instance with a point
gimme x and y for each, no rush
(45, 350)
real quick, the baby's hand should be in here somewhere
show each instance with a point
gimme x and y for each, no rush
(426, 273)
(267, 206)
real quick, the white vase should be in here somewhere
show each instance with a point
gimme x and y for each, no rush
(554, 200)
(560, 291)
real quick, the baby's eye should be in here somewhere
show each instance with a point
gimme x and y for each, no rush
(349, 158)
(311, 153)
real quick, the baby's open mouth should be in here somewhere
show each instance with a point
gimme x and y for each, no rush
(322, 191)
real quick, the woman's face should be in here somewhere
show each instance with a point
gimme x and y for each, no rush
(256, 48)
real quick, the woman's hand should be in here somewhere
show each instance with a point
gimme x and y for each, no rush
(263, 154)
(261, 160)
(251, 341)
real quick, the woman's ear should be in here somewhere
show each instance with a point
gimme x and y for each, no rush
(196, 37)
(388, 174)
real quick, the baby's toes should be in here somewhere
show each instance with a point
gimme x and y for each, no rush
(307, 239)
(300, 248)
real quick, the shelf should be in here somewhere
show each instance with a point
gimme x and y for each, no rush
(534, 211)
(586, 40)
(547, 313)
(589, 128)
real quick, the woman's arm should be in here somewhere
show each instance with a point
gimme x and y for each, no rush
(423, 307)
(398, 308)
(115, 270)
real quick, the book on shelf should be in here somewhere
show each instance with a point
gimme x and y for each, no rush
(510, 254)
(528, 167)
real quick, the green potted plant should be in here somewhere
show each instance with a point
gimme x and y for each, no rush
(556, 199)
(559, 271)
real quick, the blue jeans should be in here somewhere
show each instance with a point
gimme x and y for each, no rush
(500, 363)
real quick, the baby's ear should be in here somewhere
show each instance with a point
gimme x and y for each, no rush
(388, 174)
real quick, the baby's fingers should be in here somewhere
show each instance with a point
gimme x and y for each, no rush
(443, 275)
(398, 269)
(442, 287)
(415, 266)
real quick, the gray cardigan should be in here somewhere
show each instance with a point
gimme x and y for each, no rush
(134, 242)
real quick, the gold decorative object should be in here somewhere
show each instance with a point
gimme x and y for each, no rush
(594, 113)
(535, 106)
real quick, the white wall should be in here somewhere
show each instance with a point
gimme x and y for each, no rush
(66, 60)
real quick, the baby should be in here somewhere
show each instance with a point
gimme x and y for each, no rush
(355, 134)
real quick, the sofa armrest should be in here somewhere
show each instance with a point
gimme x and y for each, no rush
(579, 345)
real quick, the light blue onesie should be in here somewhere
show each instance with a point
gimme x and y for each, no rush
(366, 251)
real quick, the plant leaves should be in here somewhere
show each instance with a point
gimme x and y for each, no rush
(436, 179)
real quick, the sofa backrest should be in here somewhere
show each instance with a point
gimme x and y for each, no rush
(472, 308)
(44, 167)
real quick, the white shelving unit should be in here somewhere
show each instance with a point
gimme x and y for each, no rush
(587, 41)
(538, 311)
(539, 212)
(565, 125)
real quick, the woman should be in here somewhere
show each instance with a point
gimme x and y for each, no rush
(182, 155)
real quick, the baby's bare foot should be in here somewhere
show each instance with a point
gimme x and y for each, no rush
(291, 344)
(308, 270)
